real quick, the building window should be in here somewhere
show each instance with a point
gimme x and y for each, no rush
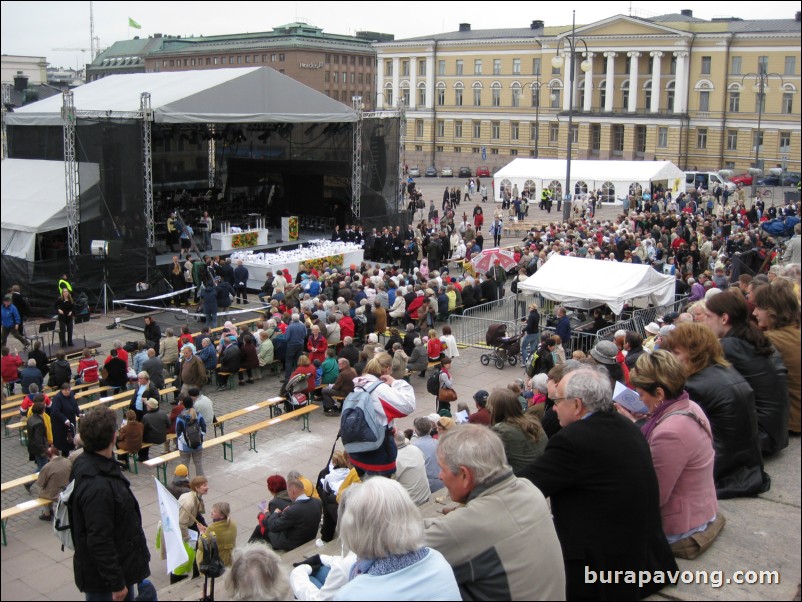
(192, 62)
(757, 141)
(706, 64)
(247, 58)
(790, 65)
(535, 66)
(516, 95)
(335, 76)
(353, 77)
(555, 98)
(477, 97)
(513, 152)
(418, 147)
(405, 68)
(477, 129)
(216, 59)
(760, 102)
(704, 101)
(496, 95)
(327, 58)
(729, 165)
(353, 60)
(516, 66)
(515, 129)
(763, 64)
(735, 101)
(460, 67)
(422, 96)
(735, 65)
(574, 133)
(785, 142)
(457, 149)
(670, 99)
(493, 151)
(496, 66)
(439, 149)
(602, 96)
(701, 138)
(360, 78)
(404, 96)
(618, 139)
(595, 137)
(274, 58)
(495, 130)
(788, 103)
(477, 66)
(419, 128)
(388, 96)
(536, 96)
(732, 140)
(164, 63)
(326, 76)
(458, 97)
(422, 67)
(533, 131)
(388, 66)
(458, 129)
(441, 97)
(555, 70)
(441, 67)
(672, 66)
(441, 128)
(662, 137)
(554, 132)
(640, 139)
(361, 61)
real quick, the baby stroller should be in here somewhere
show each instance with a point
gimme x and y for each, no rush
(295, 393)
(505, 349)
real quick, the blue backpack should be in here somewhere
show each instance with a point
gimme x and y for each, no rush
(360, 430)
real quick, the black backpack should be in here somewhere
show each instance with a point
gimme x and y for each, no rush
(211, 565)
(433, 383)
(192, 432)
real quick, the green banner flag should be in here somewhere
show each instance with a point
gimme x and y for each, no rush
(134, 24)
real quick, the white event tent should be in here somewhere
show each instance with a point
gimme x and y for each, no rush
(574, 280)
(613, 178)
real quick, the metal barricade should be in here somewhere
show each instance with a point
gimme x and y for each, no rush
(471, 330)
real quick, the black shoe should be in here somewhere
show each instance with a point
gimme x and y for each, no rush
(46, 517)
(250, 381)
(28, 487)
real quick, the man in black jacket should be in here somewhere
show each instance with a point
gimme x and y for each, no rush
(230, 362)
(153, 333)
(297, 523)
(111, 552)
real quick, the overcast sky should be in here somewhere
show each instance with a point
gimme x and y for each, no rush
(37, 28)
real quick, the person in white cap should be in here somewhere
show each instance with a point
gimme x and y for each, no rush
(652, 330)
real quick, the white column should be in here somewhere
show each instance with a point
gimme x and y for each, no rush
(588, 83)
(609, 82)
(396, 85)
(681, 82)
(633, 81)
(430, 82)
(379, 83)
(413, 83)
(656, 85)
(567, 82)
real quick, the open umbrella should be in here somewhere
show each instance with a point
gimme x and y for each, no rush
(482, 262)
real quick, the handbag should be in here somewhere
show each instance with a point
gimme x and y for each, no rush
(447, 395)
(692, 546)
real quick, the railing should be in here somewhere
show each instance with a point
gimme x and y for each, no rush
(471, 330)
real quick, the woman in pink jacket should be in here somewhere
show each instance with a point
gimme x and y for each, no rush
(681, 444)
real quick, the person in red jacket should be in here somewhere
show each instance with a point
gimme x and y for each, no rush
(347, 327)
(316, 345)
(88, 369)
(10, 364)
(305, 367)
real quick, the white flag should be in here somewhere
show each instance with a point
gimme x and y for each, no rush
(171, 530)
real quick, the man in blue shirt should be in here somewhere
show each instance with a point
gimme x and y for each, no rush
(563, 328)
(296, 338)
(11, 322)
(241, 282)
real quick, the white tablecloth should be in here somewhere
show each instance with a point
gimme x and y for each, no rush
(222, 242)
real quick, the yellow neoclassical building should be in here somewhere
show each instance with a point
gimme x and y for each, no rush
(673, 87)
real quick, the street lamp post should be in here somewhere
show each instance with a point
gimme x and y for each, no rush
(536, 98)
(761, 80)
(558, 61)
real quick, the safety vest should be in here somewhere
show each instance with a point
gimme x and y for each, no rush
(62, 284)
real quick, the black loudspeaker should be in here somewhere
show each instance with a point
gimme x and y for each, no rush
(115, 249)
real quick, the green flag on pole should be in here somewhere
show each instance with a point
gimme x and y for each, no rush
(134, 24)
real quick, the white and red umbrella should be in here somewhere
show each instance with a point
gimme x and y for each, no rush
(482, 262)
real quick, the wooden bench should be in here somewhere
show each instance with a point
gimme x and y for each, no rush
(299, 413)
(161, 462)
(229, 381)
(20, 509)
(269, 403)
(127, 455)
(123, 405)
(15, 400)
(31, 478)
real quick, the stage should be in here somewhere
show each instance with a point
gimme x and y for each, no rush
(176, 319)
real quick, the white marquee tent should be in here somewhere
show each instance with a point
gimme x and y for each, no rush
(613, 178)
(573, 280)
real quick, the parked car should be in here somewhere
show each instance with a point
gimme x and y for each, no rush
(414, 172)
(446, 172)
(430, 172)
(744, 179)
(464, 172)
(483, 171)
(789, 178)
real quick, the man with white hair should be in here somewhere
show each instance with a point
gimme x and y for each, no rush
(596, 460)
(489, 541)
(411, 469)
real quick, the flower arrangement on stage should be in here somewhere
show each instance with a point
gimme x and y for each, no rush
(333, 261)
(293, 228)
(245, 239)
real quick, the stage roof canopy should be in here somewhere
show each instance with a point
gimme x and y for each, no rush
(247, 95)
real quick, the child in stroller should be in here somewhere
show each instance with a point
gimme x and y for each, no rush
(505, 349)
(295, 393)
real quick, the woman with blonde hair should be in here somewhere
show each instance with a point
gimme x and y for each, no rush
(225, 531)
(729, 403)
(681, 444)
(522, 434)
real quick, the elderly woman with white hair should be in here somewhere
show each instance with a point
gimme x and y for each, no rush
(383, 527)
(256, 574)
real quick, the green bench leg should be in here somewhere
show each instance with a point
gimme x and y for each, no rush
(305, 423)
(222, 429)
(228, 446)
(136, 463)
(23, 437)
(161, 471)
(6, 430)
(5, 543)
(252, 442)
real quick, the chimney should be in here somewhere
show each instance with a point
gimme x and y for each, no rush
(686, 12)
(20, 81)
(464, 26)
(536, 25)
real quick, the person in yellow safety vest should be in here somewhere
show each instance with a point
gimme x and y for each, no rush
(544, 197)
(64, 283)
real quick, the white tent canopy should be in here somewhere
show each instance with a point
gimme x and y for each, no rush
(33, 200)
(573, 280)
(247, 95)
(612, 177)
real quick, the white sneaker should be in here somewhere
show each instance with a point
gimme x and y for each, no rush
(319, 543)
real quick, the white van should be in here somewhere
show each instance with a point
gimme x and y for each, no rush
(707, 179)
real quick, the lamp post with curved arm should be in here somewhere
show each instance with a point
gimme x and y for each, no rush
(536, 100)
(558, 61)
(761, 80)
